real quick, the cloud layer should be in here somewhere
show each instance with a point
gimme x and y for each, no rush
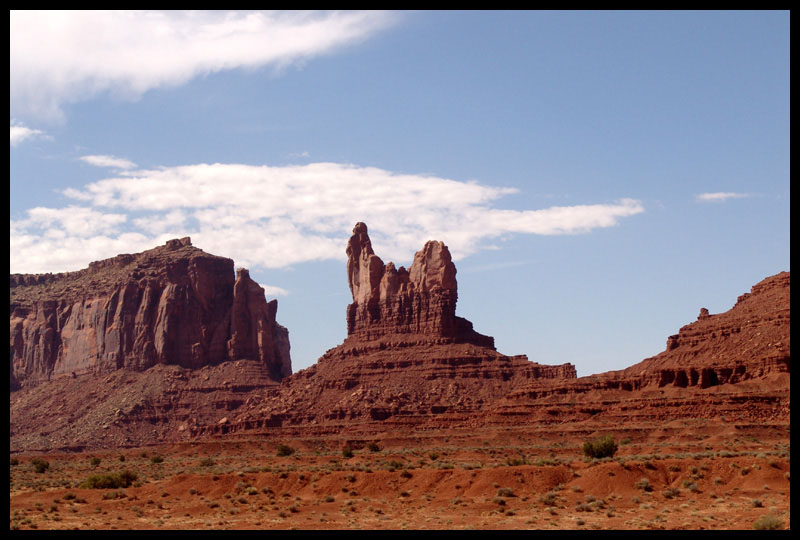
(20, 132)
(720, 196)
(272, 217)
(60, 57)
(108, 161)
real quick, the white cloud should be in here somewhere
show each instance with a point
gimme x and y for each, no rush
(73, 221)
(719, 196)
(271, 290)
(108, 161)
(271, 217)
(60, 57)
(20, 132)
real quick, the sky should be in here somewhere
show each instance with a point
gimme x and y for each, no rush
(598, 176)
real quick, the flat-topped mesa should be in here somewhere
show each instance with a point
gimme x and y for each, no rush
(395, 301)
(174, 304)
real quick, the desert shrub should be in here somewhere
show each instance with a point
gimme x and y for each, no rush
(284, 450)
(600, 448)
(207, 462)
(670, 493)
(347, 452)
(405, 474)
(644, 484)
(156, 459)
(121, 458)
(434, 456)
(768, 523)
(95, 461)
(110, 481)
(548, 499)
(757, 503)
(14, 462)
(505, 492)
(373, 447)
(40, 465)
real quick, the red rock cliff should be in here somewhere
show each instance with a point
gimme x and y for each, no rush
(419, 301)
(174, 304)
(407, 357)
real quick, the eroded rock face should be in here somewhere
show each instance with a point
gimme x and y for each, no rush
(174, 304)
(420, 301)
(407, 356)
(751, 341)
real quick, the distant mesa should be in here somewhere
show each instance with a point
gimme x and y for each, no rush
(171, 345)
(174, 304)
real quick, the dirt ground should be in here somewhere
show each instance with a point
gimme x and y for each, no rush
(690, 477)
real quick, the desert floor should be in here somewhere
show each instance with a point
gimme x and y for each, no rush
(688, 475)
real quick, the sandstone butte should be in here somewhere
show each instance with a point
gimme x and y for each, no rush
(163, 346)
(174, 304)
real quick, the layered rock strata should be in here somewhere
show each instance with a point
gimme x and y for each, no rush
(174, 304)
(737, 362)
(407, 356)
(418, 302)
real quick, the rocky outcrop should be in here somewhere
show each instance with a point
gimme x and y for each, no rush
(748, 342)
(419, 302)
(407, 356)
(174, 304)
(254, 332)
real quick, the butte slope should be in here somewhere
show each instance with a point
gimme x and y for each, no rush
(137, 349)
(733, 366)
(408, 360)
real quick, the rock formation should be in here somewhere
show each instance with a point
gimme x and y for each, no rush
(409, 366)
(748, 341)
(174, 304)
(734, 364)
(407, 356)
(420, 301)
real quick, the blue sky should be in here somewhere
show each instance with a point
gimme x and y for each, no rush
(598, 176)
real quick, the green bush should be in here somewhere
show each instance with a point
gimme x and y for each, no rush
(347, 452)
(207, 462)
(95, 461)
(768, 523)
(285, 450)
(644, 484)
(373, 447)
(156, 459)
(600, 448)
(505, 492)
(110, 481)
(40, 465)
